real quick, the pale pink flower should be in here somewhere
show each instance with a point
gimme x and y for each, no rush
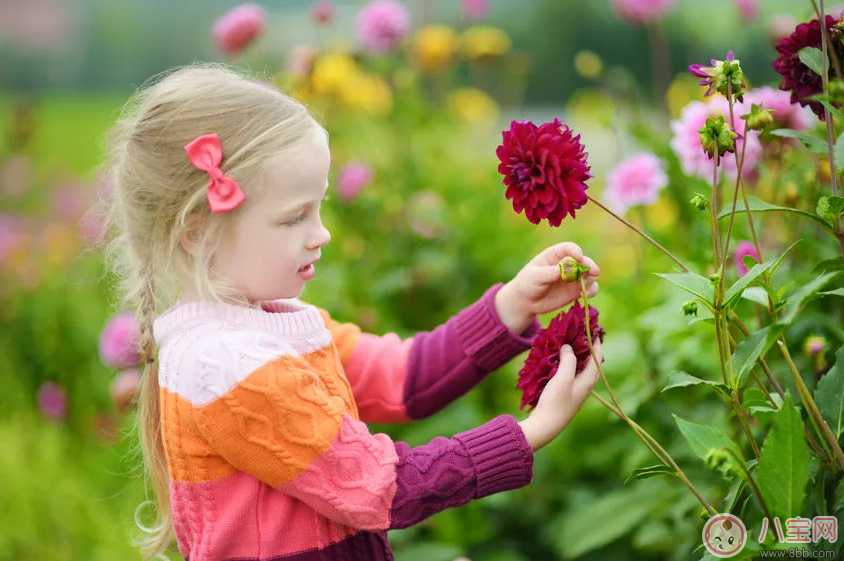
(474, 10)
(642, 11)
(742, 249)
(37, 24)
(92, 227)
(239, 27)
(748, 9)
(124, 389)
(119, 341)
(636, 181)
(52, 401)
(322, 12)
(786, 114)
(686, 139)
(353, 178)
(382, 24)
(69, 200)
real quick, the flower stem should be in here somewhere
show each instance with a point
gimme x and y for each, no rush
(752, 484)
(817, 419)
(640, 232)
(821, 13)
(650, 442)
(713, 213)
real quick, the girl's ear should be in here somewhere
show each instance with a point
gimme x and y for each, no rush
(190, 233)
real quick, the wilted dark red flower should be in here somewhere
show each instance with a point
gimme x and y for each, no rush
(798, 78)
(544, 169)
(568, 328)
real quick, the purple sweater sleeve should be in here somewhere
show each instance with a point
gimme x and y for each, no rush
(447, 362)
(445, 473)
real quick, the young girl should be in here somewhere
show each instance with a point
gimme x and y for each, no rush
(252, 423)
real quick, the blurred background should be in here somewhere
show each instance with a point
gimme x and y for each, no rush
(420, 228)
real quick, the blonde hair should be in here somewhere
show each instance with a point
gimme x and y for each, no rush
(158, 197)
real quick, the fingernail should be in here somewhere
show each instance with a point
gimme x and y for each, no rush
(566, 348)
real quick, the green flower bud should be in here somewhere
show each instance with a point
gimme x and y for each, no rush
(704, 514)
(758, 119)
(570, 269)
(717, 137)
(816, 349)
(700, 202)
(724, 77)
(721, 461)
(715, 279)
(690, 308)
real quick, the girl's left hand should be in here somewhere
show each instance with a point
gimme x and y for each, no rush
(539, 289)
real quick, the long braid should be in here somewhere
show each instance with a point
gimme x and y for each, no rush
(149, 421)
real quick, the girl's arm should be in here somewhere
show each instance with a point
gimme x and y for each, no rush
(291, 427)
(396, 380)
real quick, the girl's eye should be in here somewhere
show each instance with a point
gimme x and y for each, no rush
(294, 221)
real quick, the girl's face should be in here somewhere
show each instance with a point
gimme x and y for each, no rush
(279, 232)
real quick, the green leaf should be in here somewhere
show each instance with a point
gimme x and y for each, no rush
(679, 379)
(751, 348)
(782, 257)
(812, 143)
(703, 438)
(601, 521)
(830, 208)
(757, 205)
(756, 294)
(838, 153)
(829, 266)
(836, 292)
(692, 283)
(784, 464)
(648, 472)
(805, 294)
(428, 552)
(829, 395)
(734, 292)
(813, 58)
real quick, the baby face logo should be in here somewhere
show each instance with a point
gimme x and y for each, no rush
(724, 535)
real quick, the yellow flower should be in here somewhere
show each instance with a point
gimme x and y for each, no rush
(483, 42)
(824, 171)
(331, 72)
(434, 47)
(588, 64)
(683, 90)
(661, 215)
(470, 105)
(367, 93)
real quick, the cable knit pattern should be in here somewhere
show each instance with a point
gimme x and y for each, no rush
(267, 453)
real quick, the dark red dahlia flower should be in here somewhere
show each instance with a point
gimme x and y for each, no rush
(568, 328)
(544, 169)
(798, 78)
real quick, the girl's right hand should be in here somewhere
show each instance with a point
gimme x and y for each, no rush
(561, 398)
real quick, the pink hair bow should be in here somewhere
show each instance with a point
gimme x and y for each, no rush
(205, 153)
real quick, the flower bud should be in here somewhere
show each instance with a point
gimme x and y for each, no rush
(717, 137)
(721, 461)
(690, 308)
(816, 348)
(700, 202)
(758, 119)
(715, 279)
(570, 269)
(704, 514)
(724, 77)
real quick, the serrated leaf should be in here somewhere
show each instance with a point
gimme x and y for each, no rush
(703, 438)
(805, 294)
(692, 283)
(813, 58)
(679, 379)
(757, 205)
(783, 470)
(830, 208)
(812, 143)
(829, 395)
(648, 472)
(751, 348)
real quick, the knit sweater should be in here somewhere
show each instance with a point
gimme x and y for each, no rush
(263, 416)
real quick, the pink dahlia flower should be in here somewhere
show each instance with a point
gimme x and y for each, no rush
(382, 24)
(239, 27)
(742, 250)
(353, 178)
(642, 11)
(119, 342)
(474, 10)
(786, 113)
(636, 181)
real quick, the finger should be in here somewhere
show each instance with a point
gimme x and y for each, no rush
(568, 364)
(566, 249)
(591, 289)
(594, 270)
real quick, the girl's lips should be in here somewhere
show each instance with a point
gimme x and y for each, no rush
(307, 272)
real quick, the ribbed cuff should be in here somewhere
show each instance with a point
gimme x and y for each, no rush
(486, 339)
(500, 454)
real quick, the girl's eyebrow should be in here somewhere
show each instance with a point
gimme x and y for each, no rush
(304, 205)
